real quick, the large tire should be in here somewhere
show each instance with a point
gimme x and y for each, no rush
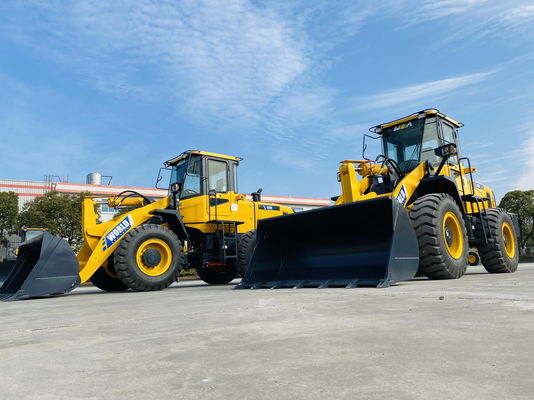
(473, 259)
(220, 275)
(247, 241)
(442, 237)
(149, 257)
(501, 256)
(106, 278)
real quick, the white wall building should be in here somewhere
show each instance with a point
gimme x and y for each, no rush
(28, 190)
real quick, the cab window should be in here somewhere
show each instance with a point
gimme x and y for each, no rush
(449, 136)
(448, 133)
(192, 178)
(430, 142)
(217, 176)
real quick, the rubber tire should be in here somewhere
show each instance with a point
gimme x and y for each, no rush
(247, 242)
(218, 276)
(104, 281)
(477, 258)
(427, 218)
(493, 256)
(126, 264)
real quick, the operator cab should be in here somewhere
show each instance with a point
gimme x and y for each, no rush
(198, 173)
(30, 233)
(411, 140)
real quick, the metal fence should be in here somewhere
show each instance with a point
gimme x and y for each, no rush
(8, 251)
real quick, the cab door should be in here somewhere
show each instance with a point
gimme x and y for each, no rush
(218, 188)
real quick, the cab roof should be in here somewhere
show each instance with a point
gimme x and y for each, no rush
(185, 154)
(419, 114)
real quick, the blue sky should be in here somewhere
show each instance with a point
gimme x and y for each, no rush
(119, 87)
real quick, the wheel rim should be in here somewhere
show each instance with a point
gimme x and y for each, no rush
(452, 235)
(508, 237)
(472, 259)
(154, 257)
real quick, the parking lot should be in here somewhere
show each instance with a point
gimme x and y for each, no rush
(471, 338)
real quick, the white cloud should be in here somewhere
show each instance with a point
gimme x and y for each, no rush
(479, 145)
(224, 64)
(410, 94)
(479, 19)
(221, 59)
(526, 159)
(239, 63)
(293, 159)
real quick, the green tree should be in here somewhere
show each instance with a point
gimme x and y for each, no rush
(60, 214)
(521, 203)
(9, 210)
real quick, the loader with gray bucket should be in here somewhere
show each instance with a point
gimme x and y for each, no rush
(416, 208)
(203, 224)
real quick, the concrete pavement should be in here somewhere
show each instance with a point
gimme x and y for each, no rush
(471, 338)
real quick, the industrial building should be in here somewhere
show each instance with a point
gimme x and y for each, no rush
(28, 190)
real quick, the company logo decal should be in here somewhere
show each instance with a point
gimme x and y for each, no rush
(116, 233)
(402, 197)
(268, 207)
(402, 126)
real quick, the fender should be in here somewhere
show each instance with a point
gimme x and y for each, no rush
(438, 184)
(174, 220)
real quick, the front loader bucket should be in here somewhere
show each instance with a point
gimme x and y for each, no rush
(366, 243)
(45, 265)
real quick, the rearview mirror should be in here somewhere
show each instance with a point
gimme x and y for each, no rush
(448, 150)
(176, 187)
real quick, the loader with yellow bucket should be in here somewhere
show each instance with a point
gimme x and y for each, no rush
(204, 223)
(416, 207)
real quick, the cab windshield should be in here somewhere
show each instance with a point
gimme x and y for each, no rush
(188, 173)
(411, 142)
(31, 234)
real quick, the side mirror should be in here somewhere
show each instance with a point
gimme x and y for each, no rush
(446, 151)
(176, 187)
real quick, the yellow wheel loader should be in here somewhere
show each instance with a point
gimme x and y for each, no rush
(203, 224)
(415, 207)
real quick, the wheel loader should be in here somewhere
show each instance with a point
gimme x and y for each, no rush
(203, 223)
(415, 208)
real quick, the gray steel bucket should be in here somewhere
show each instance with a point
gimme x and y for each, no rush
(45, 265)
(366, 243)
